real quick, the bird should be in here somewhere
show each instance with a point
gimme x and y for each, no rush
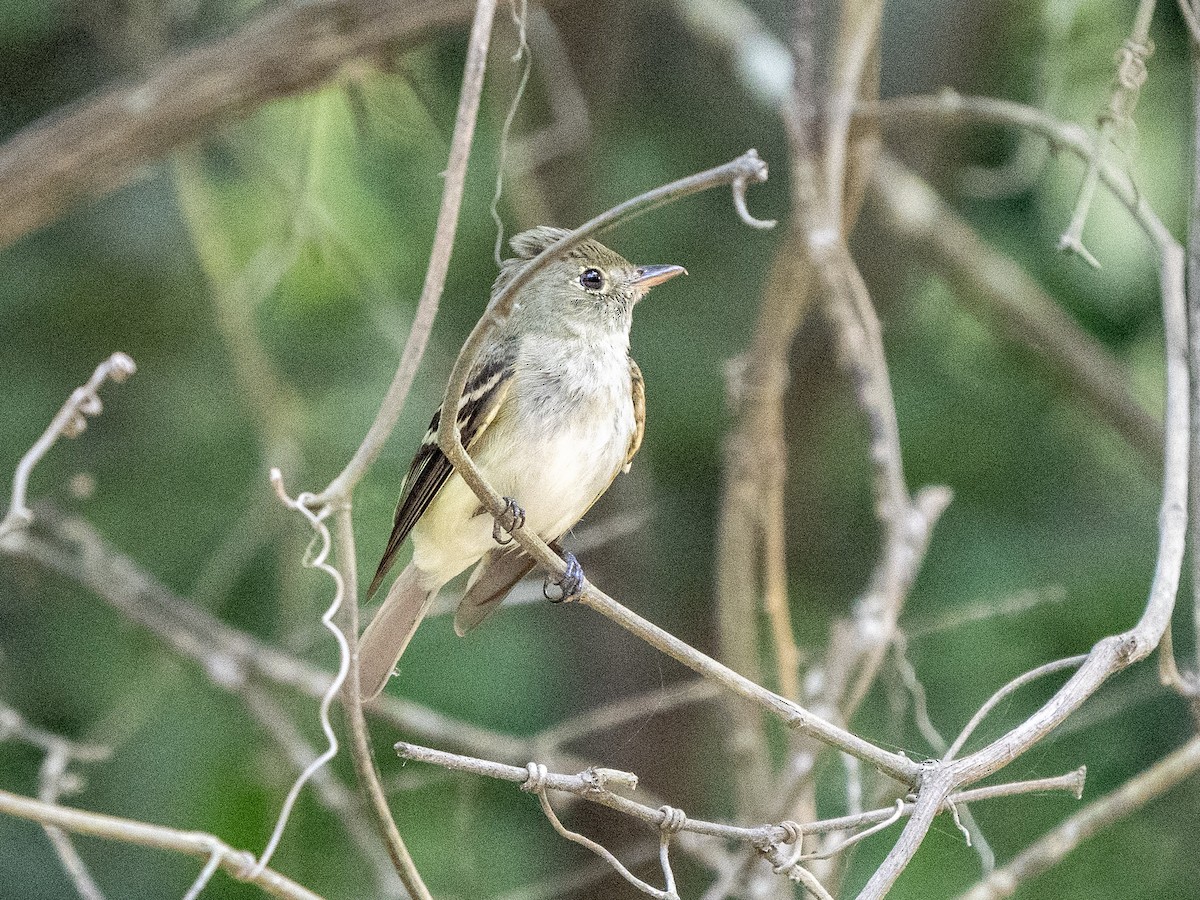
(552, 411)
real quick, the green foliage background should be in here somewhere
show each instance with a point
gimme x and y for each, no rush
(339, 192)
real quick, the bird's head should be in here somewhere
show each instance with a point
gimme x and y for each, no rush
(591, 285)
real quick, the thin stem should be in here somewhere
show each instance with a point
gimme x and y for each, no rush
(1020, 681)
(343, 485)
(1131, 75)
(1193, 305)
(594, 784)
(50, 788)
(360, 745)
(70, 420)
(237, 863)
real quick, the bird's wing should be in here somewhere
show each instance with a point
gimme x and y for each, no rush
(639, 413)
(486, 389)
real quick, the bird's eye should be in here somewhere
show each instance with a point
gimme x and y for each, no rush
(592, 279)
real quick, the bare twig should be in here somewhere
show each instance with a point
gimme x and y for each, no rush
(71, 420)
(360, 748)
(594, 785)
(614, 715)
(229, 658)
(986, 611)
(602, 851)
(1191, 17)
(1190, 11)
(342, 486)
(53, 782)
(237, 863)
(1058, 843)
(1131, 75)
(1017, 683)
(975, 837)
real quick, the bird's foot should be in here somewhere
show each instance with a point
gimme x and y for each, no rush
(507, 522)
(570, 586)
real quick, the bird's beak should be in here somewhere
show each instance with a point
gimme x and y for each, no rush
(646, 277)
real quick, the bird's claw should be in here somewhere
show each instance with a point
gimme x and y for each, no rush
(570, 586)
(507, 522)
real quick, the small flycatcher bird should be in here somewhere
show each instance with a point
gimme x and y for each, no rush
(553, 409)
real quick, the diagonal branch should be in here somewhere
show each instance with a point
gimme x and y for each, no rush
(104, 143)
(994, 288)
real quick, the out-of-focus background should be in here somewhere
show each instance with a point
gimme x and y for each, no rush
(265, 280)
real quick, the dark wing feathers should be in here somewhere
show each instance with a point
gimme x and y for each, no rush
(639, 413)
(430, 469)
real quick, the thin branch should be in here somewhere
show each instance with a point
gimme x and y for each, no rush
(360, 747)
(70, 421)
(1189, 9)
(237, 863)
(986, 611)
(104, 143)
(1131, 75)
(342, 486)
(603, 852)
(1191, 17)
(620, 712)
(1053, 847)
(595, 785)
(229, 658)
(1058, 665)
(14, 727)
(53, 781)
(974, 835)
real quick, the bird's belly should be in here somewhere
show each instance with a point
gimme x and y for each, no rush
(553, 470)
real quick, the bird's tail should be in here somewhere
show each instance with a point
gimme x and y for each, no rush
(384, 641)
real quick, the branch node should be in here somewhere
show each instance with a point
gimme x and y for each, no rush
(535, 783)
(673, 819)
